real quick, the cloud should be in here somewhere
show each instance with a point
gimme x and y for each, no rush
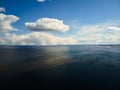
(93, 29)
(2, 9)
(36, 38)
(47, 24)
(113, 28)
(87, 34)
(41, 0)
(6, 21)
(99, 34)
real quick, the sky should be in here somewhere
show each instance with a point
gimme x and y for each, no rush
(59, 22)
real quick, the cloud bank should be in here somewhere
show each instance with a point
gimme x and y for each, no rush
(2, 9)
(105, 33)
(6, 22)
(47, 24)
(36, 38)
(100, 33)
(88, 34)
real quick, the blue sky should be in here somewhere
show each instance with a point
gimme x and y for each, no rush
(59, 22)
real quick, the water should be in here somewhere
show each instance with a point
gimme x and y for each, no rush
(94, 67)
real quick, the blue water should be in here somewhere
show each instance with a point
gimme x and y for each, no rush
(77, 67)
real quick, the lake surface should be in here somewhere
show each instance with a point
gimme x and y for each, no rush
(77, 67)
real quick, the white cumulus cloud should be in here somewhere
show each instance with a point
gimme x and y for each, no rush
(2, 9)
(6, 21)
(47, 24)
(41, 0)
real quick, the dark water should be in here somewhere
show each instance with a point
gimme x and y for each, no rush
(88, 67)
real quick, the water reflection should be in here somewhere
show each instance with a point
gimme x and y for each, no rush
(56, 55)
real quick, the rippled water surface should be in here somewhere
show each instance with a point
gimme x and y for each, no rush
(76, 67)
